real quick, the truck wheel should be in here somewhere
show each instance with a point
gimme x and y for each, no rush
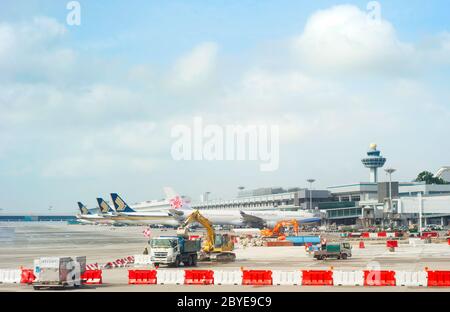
(194, 260)
(344, 256)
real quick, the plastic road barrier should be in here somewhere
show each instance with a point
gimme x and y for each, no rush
(286, 277)
(429, 235)
(10, 276)
(227, 277)
(256, 277)
(438, 278)
(391, 243)
(92, 277)
(170, 277)
(406, 278)
(362, 245)
(27, 276)
(142, 277)
(317, 278)
(198, 277)
(348, 278)
(379, 278)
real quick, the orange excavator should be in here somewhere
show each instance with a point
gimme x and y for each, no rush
(278, 230)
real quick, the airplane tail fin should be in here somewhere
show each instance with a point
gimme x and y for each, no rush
(176, 201)
(83, 209)
(104, 207)
(119, 204)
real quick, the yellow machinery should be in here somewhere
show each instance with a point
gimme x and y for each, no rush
(276, 231)
(216, 247)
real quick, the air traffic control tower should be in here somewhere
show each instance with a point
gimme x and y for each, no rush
(373, 161)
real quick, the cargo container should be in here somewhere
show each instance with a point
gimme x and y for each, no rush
(303, 240)
(59, 271)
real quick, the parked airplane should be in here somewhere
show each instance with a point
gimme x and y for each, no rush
(87, 217)
(105, 208)
(268, 218)
(256, 218)
(131, 216)
(175, 209)
(110, 214)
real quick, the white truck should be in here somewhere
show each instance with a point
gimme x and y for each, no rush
(174, 250)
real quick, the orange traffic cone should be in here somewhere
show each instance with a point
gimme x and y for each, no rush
(361, 244)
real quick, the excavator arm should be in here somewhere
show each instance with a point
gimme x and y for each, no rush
(210, 233)
(281, 224)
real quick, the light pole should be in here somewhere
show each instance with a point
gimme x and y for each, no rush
(207, 199)
(311, 181)
(390, 171)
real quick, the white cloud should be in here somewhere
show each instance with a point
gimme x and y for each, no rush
(123, 148)
(343, 38)
(79, 123)
(97, 164)
(31, 51)
(195, 67)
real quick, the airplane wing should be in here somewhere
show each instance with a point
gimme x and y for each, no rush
(252, 219)
(176, 212)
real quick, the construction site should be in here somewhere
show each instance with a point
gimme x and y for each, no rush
(278, 259)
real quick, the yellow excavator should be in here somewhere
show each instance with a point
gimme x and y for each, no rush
(216, 247)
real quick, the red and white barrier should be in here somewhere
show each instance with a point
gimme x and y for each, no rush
(10, 276)
(280, 277)
(375, 235)
(92, 267)
(92, 277)
(120, 263)
(370, 278)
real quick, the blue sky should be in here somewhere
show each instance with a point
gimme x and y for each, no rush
(87, 110)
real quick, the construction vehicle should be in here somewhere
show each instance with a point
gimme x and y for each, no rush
(216, 247)
(174, 250)
(334, 250)
(278, 230)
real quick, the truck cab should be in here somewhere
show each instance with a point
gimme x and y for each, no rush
(173, 250)
(334, 250)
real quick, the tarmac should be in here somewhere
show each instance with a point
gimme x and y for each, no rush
(101, 244)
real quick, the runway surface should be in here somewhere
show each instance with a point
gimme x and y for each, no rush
(101, 244)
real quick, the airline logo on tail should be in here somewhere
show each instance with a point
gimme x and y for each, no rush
(104, 207)
(176, 202)
(83, 209)
(120, 204)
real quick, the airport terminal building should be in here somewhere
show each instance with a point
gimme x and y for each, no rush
(364, 203)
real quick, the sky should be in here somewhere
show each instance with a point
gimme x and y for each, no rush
(87, 110)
